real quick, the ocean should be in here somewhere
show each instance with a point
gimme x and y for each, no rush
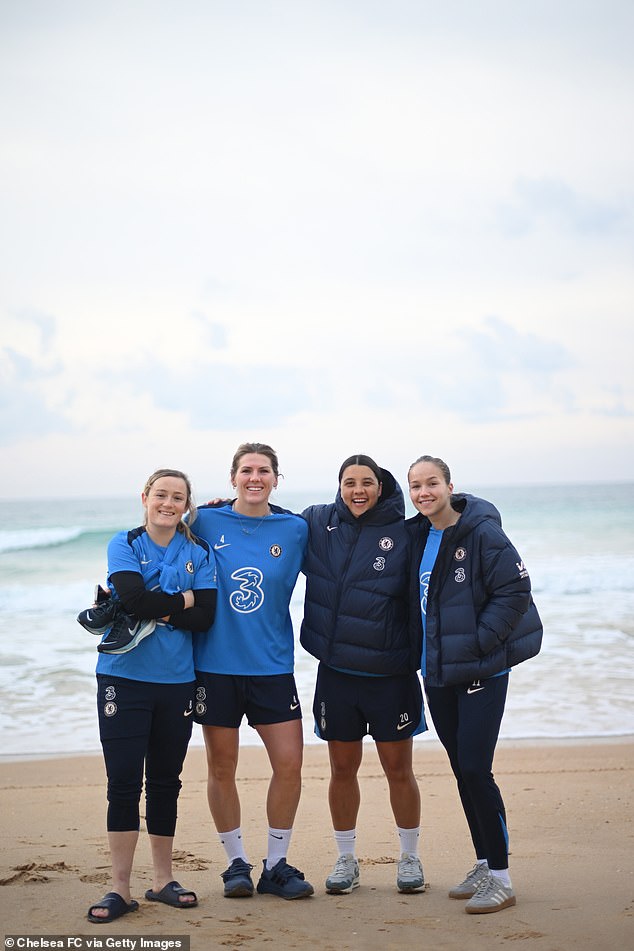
(577, 542)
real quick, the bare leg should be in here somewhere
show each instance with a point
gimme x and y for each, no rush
(284, 744)
(222, 744)
(162, 851)
(396, 760)
(344, 795)
(122, 847)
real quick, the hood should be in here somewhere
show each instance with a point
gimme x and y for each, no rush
(473, 511)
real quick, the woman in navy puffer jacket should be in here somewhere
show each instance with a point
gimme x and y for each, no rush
(473, 595)
(356, 622)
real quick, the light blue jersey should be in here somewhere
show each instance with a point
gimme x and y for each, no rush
(426, 567)
(166, 655)
(257, 564)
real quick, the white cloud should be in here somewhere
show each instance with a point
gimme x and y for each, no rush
(336, 227)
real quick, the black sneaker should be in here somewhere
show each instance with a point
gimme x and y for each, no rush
(100, 617)
(284, 881)
(237, 879)
(125, 634)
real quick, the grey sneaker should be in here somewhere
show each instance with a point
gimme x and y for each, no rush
(490, 895)
(409, 877)
(470, 882)
(344, 876)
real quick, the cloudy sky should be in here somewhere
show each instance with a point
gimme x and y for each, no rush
(336, 226)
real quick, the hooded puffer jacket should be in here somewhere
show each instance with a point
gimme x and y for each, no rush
(480, 615)
(356, 606)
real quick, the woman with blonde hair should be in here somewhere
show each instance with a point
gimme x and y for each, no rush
(159, 571)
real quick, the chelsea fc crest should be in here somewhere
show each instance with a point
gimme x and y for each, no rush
(386, 543)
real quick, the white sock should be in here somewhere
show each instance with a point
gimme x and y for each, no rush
(346, 841)
(409, 840)
(482, 862)
(279, 841)
(503, 875)
(233, 844)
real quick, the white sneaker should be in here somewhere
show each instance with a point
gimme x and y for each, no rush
(467, 887)
(490, 895)
(409, 877)
(344, 876)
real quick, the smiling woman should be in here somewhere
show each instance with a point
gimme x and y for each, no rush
(158, 572)
(245, 666)
(356, 625)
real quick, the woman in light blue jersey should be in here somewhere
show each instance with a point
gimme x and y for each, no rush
(159, 571)
(244, 666)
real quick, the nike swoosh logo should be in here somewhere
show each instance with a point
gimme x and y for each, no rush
(294, 706)
(187, 713)
(401, 726)
(474, 689)
(146, 562)
(331, 528)
(273, 836)
(226, 545)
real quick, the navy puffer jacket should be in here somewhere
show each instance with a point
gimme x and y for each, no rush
(481, 617)
(356, 607)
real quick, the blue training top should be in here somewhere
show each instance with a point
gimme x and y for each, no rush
(257, 564)
(166, 655)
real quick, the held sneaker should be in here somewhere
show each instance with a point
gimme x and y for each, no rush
(100, 617)
(490, 895)
(125, 634)
(409, 876)
(284, 881)
(237, 879)
(470, 882)
(344, 876)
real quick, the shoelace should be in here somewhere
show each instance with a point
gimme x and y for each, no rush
(475, 872)
(287, 871)
(236, 869)
(341, 868)
(486, 885)
(409, 866)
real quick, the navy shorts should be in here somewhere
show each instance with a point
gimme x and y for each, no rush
(224, 699)
(347, 706)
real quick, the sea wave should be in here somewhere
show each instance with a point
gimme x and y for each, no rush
(24, 539)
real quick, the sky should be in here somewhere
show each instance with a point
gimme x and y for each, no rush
(335, 227)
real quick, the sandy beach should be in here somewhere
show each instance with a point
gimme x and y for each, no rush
(572, 856)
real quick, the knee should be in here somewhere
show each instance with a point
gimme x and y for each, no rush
(288, 768)
(222, 771)
(124, 791)
(344, 771)
(473, 774)
(400, 775)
